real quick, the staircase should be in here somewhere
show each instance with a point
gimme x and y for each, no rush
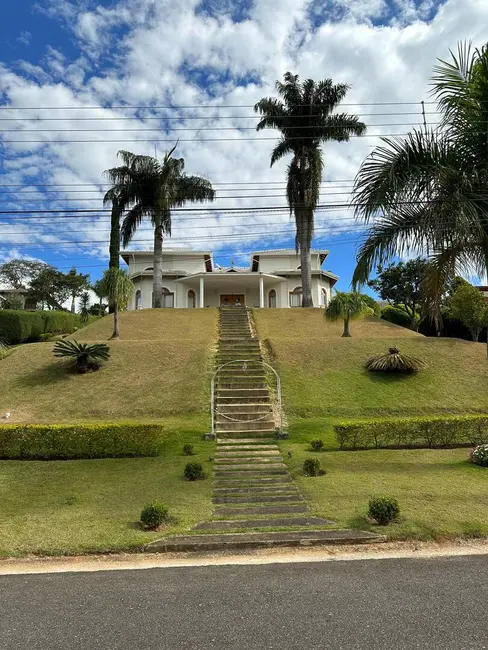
(253, 492)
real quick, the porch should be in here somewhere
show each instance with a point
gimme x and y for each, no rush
(232, 289)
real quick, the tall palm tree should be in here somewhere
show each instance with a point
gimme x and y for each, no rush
(346, 307)
(429, 191)
(118, 288)
(101, 292)
(144, 187)
(303, 114)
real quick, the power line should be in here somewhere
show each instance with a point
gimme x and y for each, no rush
(109, 185)
(176, 107)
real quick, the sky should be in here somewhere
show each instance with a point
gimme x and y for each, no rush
(82, 79)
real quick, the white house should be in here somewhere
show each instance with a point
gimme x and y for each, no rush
(191, 279)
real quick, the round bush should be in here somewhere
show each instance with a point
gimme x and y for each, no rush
(153, 515)
(311, 467)
(317, 445)
(479, 455)
(383, 510)
(194, 472)
(187, 450)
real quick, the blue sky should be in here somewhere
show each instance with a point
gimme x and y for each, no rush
(66, 66)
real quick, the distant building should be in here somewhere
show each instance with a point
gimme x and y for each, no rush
(484, 291)
(27, 303)
(191, 279)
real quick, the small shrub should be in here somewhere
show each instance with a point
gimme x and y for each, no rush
(396, 316)
(311, 467)
(4, 349)
(317, 445)
(479, 455)
(194, 472)
(87, 356)
(188, 450)
(383, 510)
(154, 515)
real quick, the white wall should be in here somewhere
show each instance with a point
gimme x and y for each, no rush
(270, 263)
(181, 262)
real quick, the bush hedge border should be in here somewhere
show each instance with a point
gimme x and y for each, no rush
(413, 433)
(75, 441)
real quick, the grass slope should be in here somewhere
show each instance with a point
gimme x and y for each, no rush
(159, 367)
(323, 374)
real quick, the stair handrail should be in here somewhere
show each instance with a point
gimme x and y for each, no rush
(278, 391)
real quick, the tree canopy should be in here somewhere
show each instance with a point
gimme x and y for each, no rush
(468, 305)
(19, 273)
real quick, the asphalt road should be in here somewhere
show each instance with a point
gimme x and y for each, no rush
(381, 604)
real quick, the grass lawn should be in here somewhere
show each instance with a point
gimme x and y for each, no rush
(440, 494)
(149, 378)
(322, 374)
(64, 507)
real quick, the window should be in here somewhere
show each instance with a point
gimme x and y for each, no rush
(324, 298)
(192, 299)
(167, 298)
(296, 297)
(272, 299)
(138, 299)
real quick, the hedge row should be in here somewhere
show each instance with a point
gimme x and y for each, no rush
(438, 431)
(62, 442)
(21, 326)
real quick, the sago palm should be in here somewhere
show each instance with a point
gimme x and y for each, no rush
(304, 115)
(144, 187)
(429, 191)
(87, 356)
(347, 307)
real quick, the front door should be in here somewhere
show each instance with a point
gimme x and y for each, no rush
(232, 300)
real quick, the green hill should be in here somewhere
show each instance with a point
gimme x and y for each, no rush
(323, 375)
(159, 367)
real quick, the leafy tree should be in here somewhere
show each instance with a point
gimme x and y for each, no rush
(428, 191)
(78, 283)
(372, 304)
(119, 290)
(101, 292)
(18, 274)
(51, 287)
(84, 307)
(347, 307)
(468, 305)
(401, 286)
(303, 114)
(12, 301)
(144, 187)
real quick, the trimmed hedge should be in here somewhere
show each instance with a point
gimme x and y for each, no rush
(395, 316)
(26, 326)
(63, 442)
(419, 432)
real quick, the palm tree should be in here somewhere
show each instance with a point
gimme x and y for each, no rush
(346, 306)
(429, 191)
(83, 306)
(101, 292)
(119, 288)
(303, 114)
(144, 187)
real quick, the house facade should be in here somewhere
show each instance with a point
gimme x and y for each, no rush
(191, 279)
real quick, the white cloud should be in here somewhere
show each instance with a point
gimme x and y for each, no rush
(173, 53)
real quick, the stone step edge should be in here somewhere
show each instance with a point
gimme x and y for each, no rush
(231, 541)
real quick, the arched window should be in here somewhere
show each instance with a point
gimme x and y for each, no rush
(167, 298)
(324, 297)
(138, 299)
(149, 268)
(296, 297)
(192, 299)
(272, 299)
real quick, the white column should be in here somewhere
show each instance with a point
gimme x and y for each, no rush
(202, 292)
(261, 291)
(319, 291)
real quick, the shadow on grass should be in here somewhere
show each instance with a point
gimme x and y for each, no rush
(52, 373)
(389, 377)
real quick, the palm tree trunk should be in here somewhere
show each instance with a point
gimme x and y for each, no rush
(346, 332)
(73, 306)
(115, 334)
(158, 262)
(305, 261)
(114, 246)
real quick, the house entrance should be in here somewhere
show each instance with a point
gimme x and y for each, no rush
(232, 300)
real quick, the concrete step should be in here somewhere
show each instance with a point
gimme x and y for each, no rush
(257, 383)
(244, 482)
(244, 448)
(249, 475)
(237, 407)
(250, 466)
(253, 442)
(242, 435)
(259, 489)
(244, 418)
(247, 453)
(226, 511)
(266, 498)
(249, 461)
(242, 401)
(263, 540)
(271, 522)
(244, 427)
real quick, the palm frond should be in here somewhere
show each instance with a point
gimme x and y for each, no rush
(273, 112)
(395, 362)
(346, 306)
(283, 148)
